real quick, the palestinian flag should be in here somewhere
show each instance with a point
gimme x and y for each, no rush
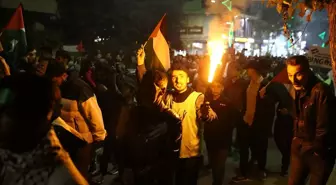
(158, 47)
(80, 47)
(13, 38)
(282, 77)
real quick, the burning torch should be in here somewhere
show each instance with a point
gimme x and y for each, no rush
(216, 50)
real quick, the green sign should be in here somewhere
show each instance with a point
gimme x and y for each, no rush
(228, 4)
(231, 36)
(322, 35)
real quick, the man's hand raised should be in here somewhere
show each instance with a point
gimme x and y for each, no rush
(141, 55)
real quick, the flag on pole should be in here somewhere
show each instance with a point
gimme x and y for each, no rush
(13, 38)
(281, 77)
(160, 47)
(80, 47)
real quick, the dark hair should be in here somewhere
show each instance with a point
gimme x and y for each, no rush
(64, 54)
(29, 90)
(28, 100)
(179, 66)
(159, 76)
(30, 49)
(299, 60)
(46, 52)
(55, 69)
(45, 58)
(146, 91)
(254, 65)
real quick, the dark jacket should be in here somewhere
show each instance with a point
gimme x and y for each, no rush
(151, 136)
(235, 91)
(264, 111)
(218, 133)
(280, 94)
(314, 119)
(24, 66)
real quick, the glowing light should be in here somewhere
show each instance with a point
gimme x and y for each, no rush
(250, 40)
(197, 45)
(216, 50)
(322, 35)
(228, 4)
(231, 34)
(299, 34)
(239, 39)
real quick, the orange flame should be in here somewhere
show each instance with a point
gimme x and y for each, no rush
(216, 50)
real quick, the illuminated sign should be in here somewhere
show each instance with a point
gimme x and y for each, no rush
(191, 30)
(228, 4)
(249, 40)
(322, 35)
(195, 30)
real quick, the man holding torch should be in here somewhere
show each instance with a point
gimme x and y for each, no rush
(218, 132)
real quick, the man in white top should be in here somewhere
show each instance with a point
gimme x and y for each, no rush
(189, 105)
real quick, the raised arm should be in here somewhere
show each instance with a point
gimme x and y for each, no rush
(141, 68)
(5, 66)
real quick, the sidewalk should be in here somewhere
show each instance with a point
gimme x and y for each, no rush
(273, 165)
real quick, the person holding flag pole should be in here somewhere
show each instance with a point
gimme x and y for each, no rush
(282, 92)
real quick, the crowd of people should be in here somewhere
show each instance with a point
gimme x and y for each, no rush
(63, 121)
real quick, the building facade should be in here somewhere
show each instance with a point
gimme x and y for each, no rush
(205, 18)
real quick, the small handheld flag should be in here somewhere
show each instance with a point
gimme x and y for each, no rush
(161, 55)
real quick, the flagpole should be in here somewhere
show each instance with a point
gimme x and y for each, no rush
(145, 43)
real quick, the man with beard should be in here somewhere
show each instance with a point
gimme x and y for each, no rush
(313, 145)
(26, 64)
(188, 104)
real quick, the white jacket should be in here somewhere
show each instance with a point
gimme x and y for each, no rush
(89, 122)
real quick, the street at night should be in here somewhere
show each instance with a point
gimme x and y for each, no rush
(167, 92)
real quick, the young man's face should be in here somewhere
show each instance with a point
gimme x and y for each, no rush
(41, 67)
(180, 80)
(217, 88)
(31, 56)
(297, 76)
